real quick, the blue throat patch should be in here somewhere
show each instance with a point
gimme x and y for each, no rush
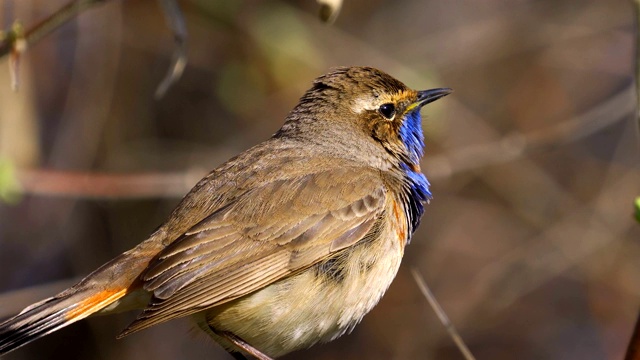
(411, 135)
(417, 190)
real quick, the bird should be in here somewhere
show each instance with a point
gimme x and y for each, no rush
(288, 244)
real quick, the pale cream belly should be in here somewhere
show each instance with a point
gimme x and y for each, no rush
(316, 305)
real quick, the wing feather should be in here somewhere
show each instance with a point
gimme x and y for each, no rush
(269, 232)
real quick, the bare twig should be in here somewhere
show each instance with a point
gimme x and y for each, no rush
(16, 40)
(516, 145)
(19, 45)
(636, 4)
(444, 319)
(106, 186)
(150, 185)
(633, 349)
(176, 22)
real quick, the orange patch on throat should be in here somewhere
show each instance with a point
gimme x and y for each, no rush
(94, 303)
(401, 223)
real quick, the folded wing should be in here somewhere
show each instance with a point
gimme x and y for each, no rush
(272, 231)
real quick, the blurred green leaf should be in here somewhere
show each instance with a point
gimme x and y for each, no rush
(638, 208)
(287, 43)
(10, 189)
(223, 11)
(241, 88)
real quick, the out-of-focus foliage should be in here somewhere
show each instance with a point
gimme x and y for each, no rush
(9, 185)
(527, 244)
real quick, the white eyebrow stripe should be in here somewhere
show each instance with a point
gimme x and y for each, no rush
(361, 104)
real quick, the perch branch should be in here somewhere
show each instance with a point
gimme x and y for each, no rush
(444, 319)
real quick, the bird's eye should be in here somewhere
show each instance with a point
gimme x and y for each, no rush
(387, 110)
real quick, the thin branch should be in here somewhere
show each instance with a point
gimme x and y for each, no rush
(106, 186)
(517, 145)
(154, 185)
(444, 319)
(636, 4)
(16, 40)
(176, 22)
(633, 349)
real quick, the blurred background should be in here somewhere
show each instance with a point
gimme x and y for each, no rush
(529, 243)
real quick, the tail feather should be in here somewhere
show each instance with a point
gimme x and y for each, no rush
(52, 314)
(96, 292)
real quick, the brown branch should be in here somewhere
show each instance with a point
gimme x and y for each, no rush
(444, 319)
(176, 22)
(154, 185)
(106, 186)
(636, 4)
(16, 40)
(633, 349)
(10, 41)
(514, 146)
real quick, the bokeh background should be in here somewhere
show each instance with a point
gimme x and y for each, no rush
(529, 244)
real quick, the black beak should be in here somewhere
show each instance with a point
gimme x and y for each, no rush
(428, 96)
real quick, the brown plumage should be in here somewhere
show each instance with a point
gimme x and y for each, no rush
(288, 244)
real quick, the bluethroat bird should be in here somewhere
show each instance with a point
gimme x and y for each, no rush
(286, 245)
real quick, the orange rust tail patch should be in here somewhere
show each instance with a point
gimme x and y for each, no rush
(94, 303)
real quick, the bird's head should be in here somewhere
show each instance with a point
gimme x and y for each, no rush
(367, 99)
